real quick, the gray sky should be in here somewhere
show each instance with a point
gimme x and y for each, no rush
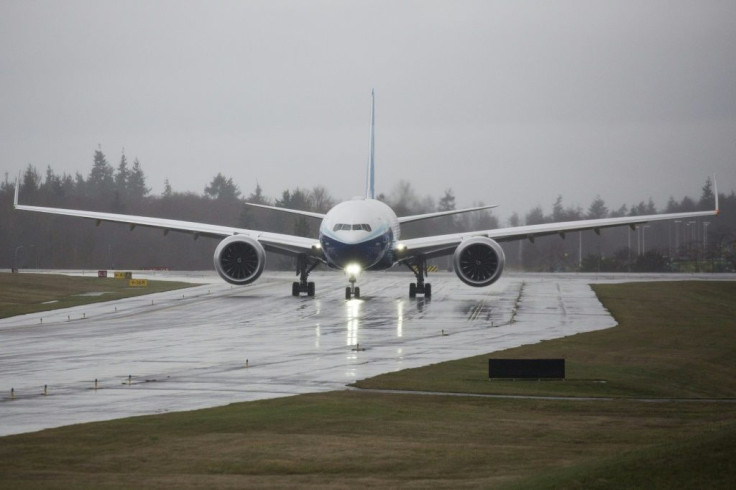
(505, 102)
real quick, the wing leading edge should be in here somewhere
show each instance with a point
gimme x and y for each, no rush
(275, 242)
(440, 245)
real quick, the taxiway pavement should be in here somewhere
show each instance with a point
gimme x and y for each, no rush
(216, 344)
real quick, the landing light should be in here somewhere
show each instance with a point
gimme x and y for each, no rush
(400, 247)
(352, 269)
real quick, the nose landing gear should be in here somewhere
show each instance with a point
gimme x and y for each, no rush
(352, 291)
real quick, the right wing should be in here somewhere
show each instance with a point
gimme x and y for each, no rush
(436, 246)
(275, 242)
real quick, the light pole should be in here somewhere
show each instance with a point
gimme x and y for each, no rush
(692, 248)
(580, 250)
(677, 237)
(705, 238)
(644, 239)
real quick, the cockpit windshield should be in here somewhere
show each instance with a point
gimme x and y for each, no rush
(359, 227)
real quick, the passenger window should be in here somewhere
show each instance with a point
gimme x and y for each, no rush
(357, 227)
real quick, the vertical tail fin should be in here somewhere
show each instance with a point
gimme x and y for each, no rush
(17, 189)
(370, 192)
(715, 187)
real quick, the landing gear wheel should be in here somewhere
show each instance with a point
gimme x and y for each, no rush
(418, 266)
(356, 293)
(310, 289)
(295, 288)
(348, 293)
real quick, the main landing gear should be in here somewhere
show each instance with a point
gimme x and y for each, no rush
(304, 265)
(418, 266)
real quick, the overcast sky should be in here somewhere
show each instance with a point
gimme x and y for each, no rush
(512, 103)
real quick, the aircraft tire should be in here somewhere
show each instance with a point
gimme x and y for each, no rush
(295, 289)
(412, 290)
(348, 293)
(310, 289)
(357, 293)
(428, 290)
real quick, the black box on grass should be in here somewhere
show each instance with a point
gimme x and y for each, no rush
(526, 368)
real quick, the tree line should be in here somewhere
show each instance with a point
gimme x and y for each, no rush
(34, 240)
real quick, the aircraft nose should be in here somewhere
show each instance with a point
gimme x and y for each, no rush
(340, 255)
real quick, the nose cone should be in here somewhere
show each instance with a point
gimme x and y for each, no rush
(366, 254)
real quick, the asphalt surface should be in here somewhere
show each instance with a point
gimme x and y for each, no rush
(217, 344)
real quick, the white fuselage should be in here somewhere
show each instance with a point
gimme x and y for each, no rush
(362, 233)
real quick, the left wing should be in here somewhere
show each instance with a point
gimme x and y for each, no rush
(445, 244)
(275, 242)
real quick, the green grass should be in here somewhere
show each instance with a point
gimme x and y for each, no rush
(701, 461)
(356, 439)
(674, 340)
(364, 439)
(31, 293)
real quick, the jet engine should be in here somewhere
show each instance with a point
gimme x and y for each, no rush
(239, 259)
(479, 261)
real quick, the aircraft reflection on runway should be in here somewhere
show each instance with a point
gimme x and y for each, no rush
(400, 318)
(318, 326)
(353, 316)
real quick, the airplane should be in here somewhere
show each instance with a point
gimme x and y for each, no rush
(363, 234)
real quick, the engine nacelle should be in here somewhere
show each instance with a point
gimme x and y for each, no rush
(479, 261)
(239, 259)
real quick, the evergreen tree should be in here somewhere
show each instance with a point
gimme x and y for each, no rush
(222, 188)
(535, 216)
(298, 199)
(620, 212)
(137, 188)
(597, 209)
(257, 197)
(122, 176)
(100, 181)
(53, 183)
(514, 220)
(167, 189)
(447, 203)
(558, 212)
(80, 185)
(31, 181)
(707, 198)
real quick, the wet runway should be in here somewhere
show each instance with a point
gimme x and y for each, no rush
(215, 344)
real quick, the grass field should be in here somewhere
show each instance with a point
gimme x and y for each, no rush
(31, 293)
(674, 340)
